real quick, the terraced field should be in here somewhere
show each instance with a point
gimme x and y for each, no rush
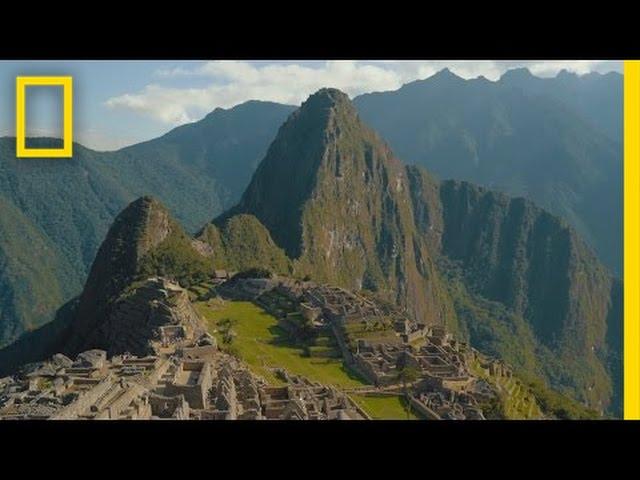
(518, 403)
(384, 407)
(262, 344)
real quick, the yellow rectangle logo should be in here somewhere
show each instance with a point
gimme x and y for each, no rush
(67, 93)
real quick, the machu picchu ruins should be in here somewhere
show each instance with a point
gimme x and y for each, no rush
(154, 358)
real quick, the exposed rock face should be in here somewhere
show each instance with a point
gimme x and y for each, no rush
(332, 194)
(143, 241)
(154, 314)
(536, 265)
(529, 260)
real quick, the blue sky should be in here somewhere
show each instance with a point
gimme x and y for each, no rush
(118, 103)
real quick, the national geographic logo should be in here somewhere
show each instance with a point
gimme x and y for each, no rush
(67, 118)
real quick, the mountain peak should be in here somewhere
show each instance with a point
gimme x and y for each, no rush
(143, 241)
(325, 100)
(299, 151)
(517, 74)
(142, 225)
(566, 74)
(144, 221)
(143, 203)
(332, 95)
(445, 74)
(335, 199)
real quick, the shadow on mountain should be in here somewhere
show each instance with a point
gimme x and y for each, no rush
(39, 344)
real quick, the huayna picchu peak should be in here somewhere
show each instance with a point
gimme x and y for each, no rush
(334, 197)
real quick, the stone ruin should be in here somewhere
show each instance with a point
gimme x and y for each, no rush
(161, 365)
(193, 383)
(302, 399)
(440, 361)
(155, 316)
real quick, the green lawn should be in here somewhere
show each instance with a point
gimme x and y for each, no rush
(262, 344)
(383, 407)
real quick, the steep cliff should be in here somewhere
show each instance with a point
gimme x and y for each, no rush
(550, 283)
(333, 196)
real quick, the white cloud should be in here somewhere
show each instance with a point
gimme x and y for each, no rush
(229, 83)
(236, 82)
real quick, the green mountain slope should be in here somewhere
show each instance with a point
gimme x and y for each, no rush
(196, 170)
(530, 137)
(30, 272)
(241, 242)
(525, 285)
(518, 281)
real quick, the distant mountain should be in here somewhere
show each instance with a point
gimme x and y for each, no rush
(65, 206)
(598, 97)
(499, 270)
(555, 141)
(226, 146)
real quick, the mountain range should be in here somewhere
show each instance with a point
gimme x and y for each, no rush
(62, 209)
(330, 201)
(556, 141)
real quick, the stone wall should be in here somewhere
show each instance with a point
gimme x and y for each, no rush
(85, 400)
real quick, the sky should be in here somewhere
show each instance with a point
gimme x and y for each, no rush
(119, 103)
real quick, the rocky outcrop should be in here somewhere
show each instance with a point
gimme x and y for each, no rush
(144, 241)
(155, 314)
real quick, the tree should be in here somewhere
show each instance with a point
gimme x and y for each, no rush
(407, 375)
(228, 336)
(225, 328)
